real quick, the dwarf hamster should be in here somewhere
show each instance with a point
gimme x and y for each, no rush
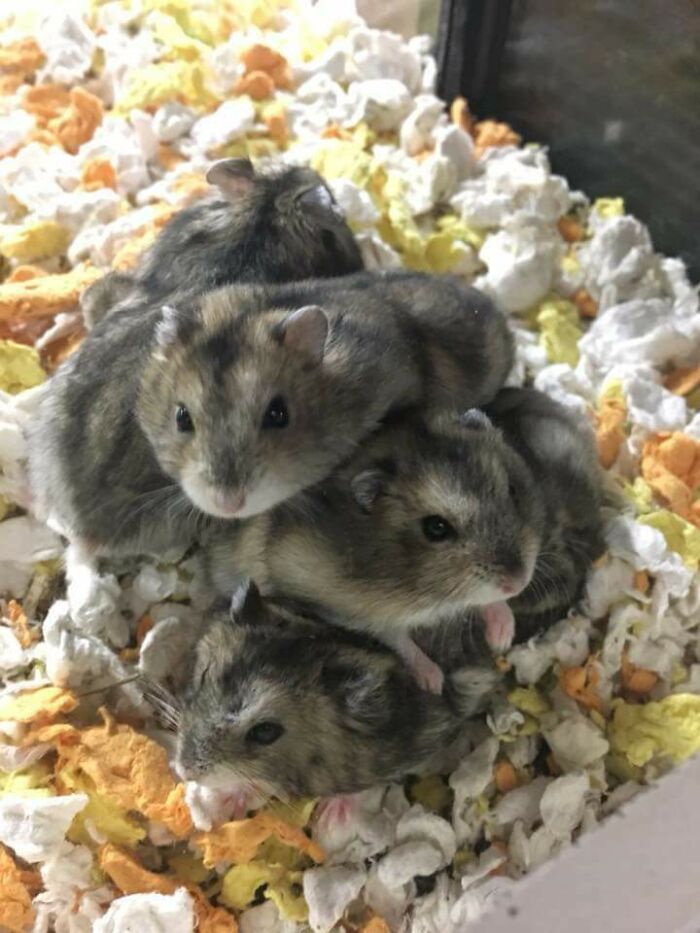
(313, 367)
(280, 706)
(561, 455)
(426, 520)
(263, 225)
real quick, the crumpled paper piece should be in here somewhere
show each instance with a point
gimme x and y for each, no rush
(328, 891)
(38, 707)
(670, 463)
(668, 728)
(521, 265)
(35, 826)
(16, 890)
(19, 367)
(149, 913)
(128, 769)
(558, 323)
(131, 877)
(238, 841)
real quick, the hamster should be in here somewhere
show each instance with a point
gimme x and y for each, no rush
(426, 520)
(279, 706)
(560, 453)
(264, 225)
(314, 367)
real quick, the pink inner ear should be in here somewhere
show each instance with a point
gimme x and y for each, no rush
(306, 330)
(233, 177)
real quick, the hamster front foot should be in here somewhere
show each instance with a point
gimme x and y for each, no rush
(428, 675)
(500, 626)
(334, 812)
(93, 597)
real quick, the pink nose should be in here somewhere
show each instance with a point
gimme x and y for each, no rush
(510, 586)
(229, 502)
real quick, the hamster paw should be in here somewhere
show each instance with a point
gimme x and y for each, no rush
(334, 812)
(237, 804)
(427, 673)
(500, 626)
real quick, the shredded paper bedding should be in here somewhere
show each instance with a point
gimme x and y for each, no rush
(110, 113)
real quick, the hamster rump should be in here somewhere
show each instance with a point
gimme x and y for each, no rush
(280, 708)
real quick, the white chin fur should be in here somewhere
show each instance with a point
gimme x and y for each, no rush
(265, 496)
(202, 495)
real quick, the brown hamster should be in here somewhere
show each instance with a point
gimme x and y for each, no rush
(310, 369)
(274, 224)
(279, 706)
(425, 521)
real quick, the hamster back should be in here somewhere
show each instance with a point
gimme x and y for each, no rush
(275, 224)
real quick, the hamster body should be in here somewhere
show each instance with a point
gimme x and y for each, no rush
(278, 704)
(425, 521)
(322, 363)
(561, 455)
(274, 225)
(221, 407)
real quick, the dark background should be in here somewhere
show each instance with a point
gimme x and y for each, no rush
(612, 87)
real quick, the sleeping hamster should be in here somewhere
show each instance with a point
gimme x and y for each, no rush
(309, 370)
(263, 225)
(279, 705)
(424, 521)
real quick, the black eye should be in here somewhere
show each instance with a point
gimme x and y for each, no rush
(276, 415)
(264, 733)
(183, 420)
(437, 528)
(328, 239)
(513, 492)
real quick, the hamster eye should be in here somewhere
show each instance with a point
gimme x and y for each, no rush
(513, 492)
(264, 733)
(437, 528)
(328, 239)
(183, 419)
(276, 415)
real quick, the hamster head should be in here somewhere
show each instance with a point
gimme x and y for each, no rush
(293, 209)
(240, 408)
(273, 705)
(453, 514)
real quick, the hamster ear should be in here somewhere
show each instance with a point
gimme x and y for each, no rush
(475, 419)
(233, 177)
(367, 487)
(247, 607)
(173, 327)
(304, 331)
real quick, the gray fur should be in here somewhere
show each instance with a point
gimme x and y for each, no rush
(108, 463)
(265, 229)
(367, 562)
(560, 452)
(353, 716)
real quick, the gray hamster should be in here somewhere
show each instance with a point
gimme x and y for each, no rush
(274, 224)
(279, 706)
(426, 520)
(313, 368)
(166, 417)
(560, 453)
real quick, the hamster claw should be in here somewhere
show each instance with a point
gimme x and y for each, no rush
(500, 626)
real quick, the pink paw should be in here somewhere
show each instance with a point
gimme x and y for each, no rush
(334, 812)
(500, 626)
(428, 674)
(237, 804)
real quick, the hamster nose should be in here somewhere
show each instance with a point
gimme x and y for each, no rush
(228, 502)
